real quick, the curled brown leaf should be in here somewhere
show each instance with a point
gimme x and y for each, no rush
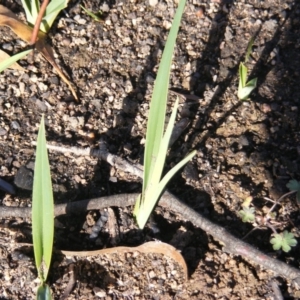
(150, 247)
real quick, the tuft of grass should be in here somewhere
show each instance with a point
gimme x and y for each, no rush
(157, 141)
(42, 213)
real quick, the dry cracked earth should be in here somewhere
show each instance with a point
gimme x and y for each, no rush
(248, 148)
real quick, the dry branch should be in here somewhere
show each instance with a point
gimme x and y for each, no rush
(168, 201)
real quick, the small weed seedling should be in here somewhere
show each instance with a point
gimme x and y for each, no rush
(42, 214)
(247, 213)
(246, 87)
(157, 143)
(284, 240)
(98, 17)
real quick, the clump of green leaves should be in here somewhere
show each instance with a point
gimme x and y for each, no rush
(157, 142)
(245, 86)
(32, 8)
(284, 241)
(247, 213)
(279, 241)
(42, 214)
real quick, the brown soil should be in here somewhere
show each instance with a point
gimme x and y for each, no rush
(244, 149)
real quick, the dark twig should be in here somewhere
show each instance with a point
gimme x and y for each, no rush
(276, 290)
(231, 244)
(171, 203)
(71, 283)
(278, 201)
(101, 153)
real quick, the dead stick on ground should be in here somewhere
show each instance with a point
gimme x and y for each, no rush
(231, 244)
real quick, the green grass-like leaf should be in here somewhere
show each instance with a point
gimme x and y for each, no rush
(158, 102)
(52, 10)
(144, 208)
(156, 143)
(32, 8)
(42, 207)
(8, 62)
(92, 15)
(43, 293)
(249, 49)
(245, 88)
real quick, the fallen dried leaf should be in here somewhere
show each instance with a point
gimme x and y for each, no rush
(150, 247)
(23, 31)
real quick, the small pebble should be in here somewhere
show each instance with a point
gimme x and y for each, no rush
(24, 178)
(200, 13)
(15, 125)
(3, 131)
(7, 47)
(66, 42)
(113, 179)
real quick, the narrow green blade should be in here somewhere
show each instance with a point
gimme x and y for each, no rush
(91, 14)
(158, 102)
(52, 10)
(43, 293)
(42, 207)
(252, 83)
(140, 211)
(148, 205)
(243, 74)
(8, 62)
(164, 145)
(31, 8)
(249, 49)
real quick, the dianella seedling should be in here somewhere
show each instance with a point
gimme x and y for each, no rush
(42, 214)
(246, 87)
(157, 141)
